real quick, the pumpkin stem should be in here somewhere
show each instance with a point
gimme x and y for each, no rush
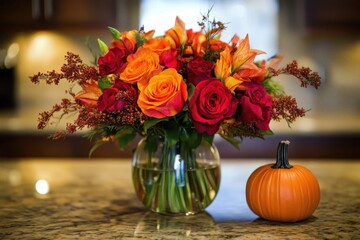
(282, 160)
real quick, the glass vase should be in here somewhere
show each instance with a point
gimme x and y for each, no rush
(174, 179)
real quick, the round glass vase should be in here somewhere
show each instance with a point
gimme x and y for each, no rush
(175, 179)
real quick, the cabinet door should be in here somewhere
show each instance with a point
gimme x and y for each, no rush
(18, 15)
(333, 15)
(80, 14)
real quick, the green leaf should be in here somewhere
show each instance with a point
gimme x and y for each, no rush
(140, 40)
(104, 83)
(103, 47)
(268, 132)
(152, 122)
(151, 143)
(91, 134)
(95, 147)
(184, 135)
(273, 87)
(208, 138)
(180, 117)
(191, 90)
(94, 55)
(232, 141)
(195, 139)
(190, 137)
(186, 121)
(126, 139)
(115, 33)
(125, 136)
(172, 133)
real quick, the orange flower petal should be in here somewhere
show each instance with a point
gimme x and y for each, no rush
(164, 95)
(141, 67)
(223, 65)
(157, 45)
(176, 36)
(244, 54)
(89, 95)
(234, 84)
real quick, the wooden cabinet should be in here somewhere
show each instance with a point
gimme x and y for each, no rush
(332, 15)
(321, 17)
(17, 15)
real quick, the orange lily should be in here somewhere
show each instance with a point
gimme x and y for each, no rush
(235, 40)
(89, 95)
(233, 84)
(244, 54)
(148, 35)
(274, 62)
(128, 40)
(223, 65)
(250, 71)
(176, 35)
(196, 39)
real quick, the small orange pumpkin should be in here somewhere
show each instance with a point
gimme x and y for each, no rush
(281, 192)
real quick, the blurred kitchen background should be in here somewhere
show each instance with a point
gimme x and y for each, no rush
(321, 34)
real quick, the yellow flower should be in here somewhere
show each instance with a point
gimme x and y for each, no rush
(223, 65)
(234, 84)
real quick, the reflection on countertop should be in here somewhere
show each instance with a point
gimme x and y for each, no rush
(95, 199)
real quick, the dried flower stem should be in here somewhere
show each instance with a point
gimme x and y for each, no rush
(74, 70)
(304, 74)
(286, 108)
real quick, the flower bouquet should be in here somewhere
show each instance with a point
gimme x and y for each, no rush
(177, 91)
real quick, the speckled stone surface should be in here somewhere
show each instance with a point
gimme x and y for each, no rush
(94, 199)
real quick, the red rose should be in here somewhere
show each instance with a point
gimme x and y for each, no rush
(199, 69)
(129, 93)
(108, 102)
(125, 44)
(115, 98)
(169, 59)
(211, 103)
(112, 61)
(255, 106)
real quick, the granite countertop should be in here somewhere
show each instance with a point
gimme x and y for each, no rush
(94, 199)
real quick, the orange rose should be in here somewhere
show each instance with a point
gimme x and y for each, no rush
(164, 96)
(141, 67)
(157, 45)
(217, 45)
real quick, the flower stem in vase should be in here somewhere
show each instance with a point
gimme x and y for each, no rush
(177, 183)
